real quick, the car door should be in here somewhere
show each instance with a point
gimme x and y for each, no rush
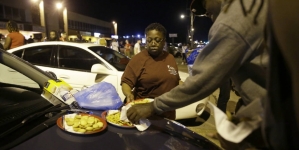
(74, 66)
(44, 58)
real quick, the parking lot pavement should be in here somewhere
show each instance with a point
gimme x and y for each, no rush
(205, 123)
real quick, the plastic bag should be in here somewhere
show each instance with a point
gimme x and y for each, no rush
(101, 96)
(191, 56)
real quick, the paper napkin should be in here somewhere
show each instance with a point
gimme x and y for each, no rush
(237, 132)
(143, 123)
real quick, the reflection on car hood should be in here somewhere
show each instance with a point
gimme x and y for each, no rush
(178, 130)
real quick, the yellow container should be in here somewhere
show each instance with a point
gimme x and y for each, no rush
(53, 88)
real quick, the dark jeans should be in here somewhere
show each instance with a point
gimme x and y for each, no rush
(224, 95)
(184, 59)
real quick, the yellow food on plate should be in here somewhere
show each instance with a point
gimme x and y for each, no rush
(141, 101)
(84, 123)
(115, 119)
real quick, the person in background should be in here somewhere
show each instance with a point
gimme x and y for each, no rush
(53, 36)
(184, 59)
(121, 46)
(151, 72)
(127, 48)
(114, 45)
(30, 40)
(224, 95)
(137, 47)
(165, 48)
(1, 41)
(102, 41)
(63, 36)
(235, 50)
(14, 38)
(79, 37)
(1, 45)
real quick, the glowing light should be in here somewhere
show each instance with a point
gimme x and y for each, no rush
(59, 5)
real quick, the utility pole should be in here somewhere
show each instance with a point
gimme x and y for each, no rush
(191, 27)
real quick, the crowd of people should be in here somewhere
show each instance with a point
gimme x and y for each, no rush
(238, 51)
(15, 39)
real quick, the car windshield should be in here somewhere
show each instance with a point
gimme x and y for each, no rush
(116, 59)
(20, 96)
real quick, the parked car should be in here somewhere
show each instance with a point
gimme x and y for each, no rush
(79, 64)
(83, 64)
(175, 49)
(28, 118)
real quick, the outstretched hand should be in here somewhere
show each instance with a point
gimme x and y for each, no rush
(140, 111)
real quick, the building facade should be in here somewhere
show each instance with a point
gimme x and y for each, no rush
(39, 17)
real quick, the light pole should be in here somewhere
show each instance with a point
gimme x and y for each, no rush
(191, 30)
(115, 27)
(59, 6)
(191, 27)
(41, 11)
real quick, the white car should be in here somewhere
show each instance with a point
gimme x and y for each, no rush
(79, 64)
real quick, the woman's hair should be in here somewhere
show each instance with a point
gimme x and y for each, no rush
(156, 26)
(12, 26)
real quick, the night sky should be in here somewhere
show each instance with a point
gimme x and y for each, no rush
(133, 16)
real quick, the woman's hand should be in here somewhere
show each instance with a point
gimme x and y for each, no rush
(130, 97)
(127, 90)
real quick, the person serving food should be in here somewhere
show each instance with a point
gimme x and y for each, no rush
(151, 72)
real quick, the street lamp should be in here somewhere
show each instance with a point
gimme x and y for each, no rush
(59, 6)
(40, 4)
(115, 27)
(192, 16)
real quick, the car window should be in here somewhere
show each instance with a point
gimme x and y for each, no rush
(116, 59)
(18, 53)
(40, 55)
(76, 58)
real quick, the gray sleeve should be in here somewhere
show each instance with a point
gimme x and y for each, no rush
(224, 54)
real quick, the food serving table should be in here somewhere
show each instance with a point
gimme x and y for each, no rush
(162, 134)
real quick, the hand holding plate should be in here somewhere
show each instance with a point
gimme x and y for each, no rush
(140, 111)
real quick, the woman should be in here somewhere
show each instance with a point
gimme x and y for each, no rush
(53, 36)
(153, 71)
(128, 48)
(63, 37)
(14, 38)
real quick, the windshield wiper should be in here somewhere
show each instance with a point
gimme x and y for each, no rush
(33, 117)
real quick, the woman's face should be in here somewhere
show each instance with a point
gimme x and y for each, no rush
(155, 41)
(52, 35)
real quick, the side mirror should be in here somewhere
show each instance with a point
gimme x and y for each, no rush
(99, 68)
(52, 74)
